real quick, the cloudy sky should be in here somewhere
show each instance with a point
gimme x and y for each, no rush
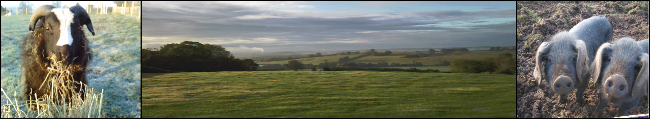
(36, 4)
(271, 26)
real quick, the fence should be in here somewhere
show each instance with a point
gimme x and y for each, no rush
(128, 8)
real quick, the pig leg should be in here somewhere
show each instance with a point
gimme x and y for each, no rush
(563, 98)
(601, 106)
(579, 92)
(626, 107)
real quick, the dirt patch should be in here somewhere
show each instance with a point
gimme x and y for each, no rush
(538, 21)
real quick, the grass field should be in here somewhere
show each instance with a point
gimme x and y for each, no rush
(432, 60)
(358, 94)
(115, 66)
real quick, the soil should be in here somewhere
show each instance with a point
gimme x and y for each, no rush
(538, 21)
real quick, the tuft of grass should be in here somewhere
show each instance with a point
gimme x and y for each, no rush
(61, 102)
(49, 107)
(530, 43)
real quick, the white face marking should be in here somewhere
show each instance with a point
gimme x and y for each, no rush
(65, 17)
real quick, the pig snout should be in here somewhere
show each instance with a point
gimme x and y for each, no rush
(616, 86)
(563, 85)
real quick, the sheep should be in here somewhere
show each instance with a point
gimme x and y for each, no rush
(55, 35)
(620, 73)
(564, 60)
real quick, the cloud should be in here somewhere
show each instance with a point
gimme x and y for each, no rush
(242, 48)
(269, 4)
(285, 26)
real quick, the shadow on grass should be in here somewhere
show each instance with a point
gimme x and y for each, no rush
(151, 75)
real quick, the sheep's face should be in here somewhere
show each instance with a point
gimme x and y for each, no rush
(59, 26)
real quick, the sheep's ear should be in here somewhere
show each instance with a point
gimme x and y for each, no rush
(540, 57)
(582, 68)
(597, 65)
(641, 82)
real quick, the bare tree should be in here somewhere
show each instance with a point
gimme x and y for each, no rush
(128, 3)
(56, 4)
(24, 5)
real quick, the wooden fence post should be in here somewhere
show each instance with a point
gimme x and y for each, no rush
(131, 10)
(123, 7)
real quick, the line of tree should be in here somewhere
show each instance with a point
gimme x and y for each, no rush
(297, 65)
(503, 64)
(416, 55)
(348, 53)
(375, 53)
(24, 5)
(315, 55)
(4, 10)
(285, 57)
(382, 69)
(193, 57)
(498, 48)
(292, 64)
(452, 50)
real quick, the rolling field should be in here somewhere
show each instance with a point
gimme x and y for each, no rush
(397, 58)
(440, 68)
(359, 94)
(432, 60)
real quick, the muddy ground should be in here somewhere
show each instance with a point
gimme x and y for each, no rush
(538, 21)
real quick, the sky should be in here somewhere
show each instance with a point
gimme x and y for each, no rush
(274, 26)
(36, 4)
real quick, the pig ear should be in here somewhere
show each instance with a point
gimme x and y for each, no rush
(641, 82)
(540, 57)
(582, 68)
(597, 65)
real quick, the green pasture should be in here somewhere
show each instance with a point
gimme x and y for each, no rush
(432, 60)
(319, 94)
(397, 58)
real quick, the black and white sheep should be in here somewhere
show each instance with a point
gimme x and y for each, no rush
(620, 73)
(54, 32)
(563, 62)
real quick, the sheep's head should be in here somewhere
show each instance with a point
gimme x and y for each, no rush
(60, 29)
